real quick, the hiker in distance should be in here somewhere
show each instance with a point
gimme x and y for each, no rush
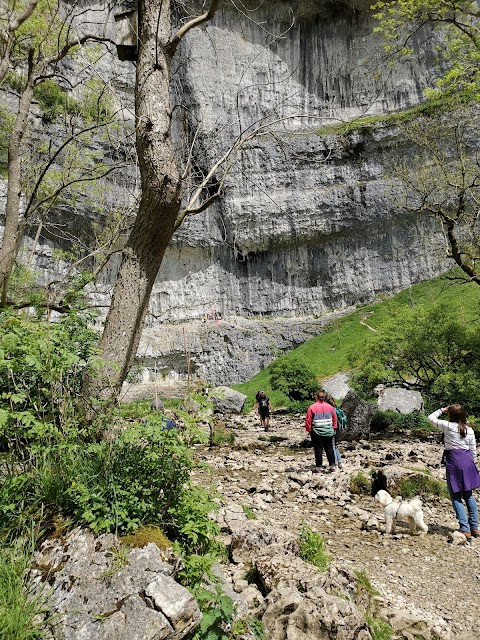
(341, 424)
(263, 409)
(460, 457)
(321, 424)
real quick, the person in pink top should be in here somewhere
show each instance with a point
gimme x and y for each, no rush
(321, 424)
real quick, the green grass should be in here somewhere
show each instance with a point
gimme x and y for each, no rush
(429, 108)
(21, 608)
(421, 484)
(312, 548)
(329, 352)
(360, 484)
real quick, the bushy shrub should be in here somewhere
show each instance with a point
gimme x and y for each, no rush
(294, 378)
(312, 548)
(432, 349)
(41, 364)
(421, 484)
(383, 420)
(360, 484)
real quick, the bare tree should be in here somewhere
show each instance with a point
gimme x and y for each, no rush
(442, 179)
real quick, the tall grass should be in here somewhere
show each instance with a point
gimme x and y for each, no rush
(329, 352)
(21, 607)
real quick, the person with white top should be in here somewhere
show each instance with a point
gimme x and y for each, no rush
(462, 473)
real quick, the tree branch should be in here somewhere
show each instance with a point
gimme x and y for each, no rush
(172, 47)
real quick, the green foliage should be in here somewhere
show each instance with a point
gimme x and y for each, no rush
(40, 368)
(53, 100)
(217, 611)
(222, 436)
(312, 548)
(6, 126)
(96, 101)
(421, 484)
(197, 568)
(248, 511)
(459, 51)
(433, 106)
(380, 629)
(360, 484)
(385, 420)
(190, 522)
(134, 480)
(331, 351)
(21, 608)
(432, 350)
(294, 378)
(365, 596)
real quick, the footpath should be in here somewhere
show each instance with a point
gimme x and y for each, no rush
(269, 477)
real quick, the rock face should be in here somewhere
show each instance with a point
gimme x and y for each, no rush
(306, 225)
(98, 594)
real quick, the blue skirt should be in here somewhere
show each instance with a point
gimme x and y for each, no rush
(462, 473)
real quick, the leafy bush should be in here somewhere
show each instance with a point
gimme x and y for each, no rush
(429, 350)
(292, 376)
(383, 420)
(360, 484)
(312, 548)
(421, 484)
(41, 364)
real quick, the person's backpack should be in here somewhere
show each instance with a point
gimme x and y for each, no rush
(341, 420)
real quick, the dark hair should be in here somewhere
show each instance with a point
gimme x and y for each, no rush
(456, 413)
(320, 395)
(330, 400)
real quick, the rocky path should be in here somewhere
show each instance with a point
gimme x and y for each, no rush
(269, 475)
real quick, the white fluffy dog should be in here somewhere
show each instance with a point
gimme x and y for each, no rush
(410, 510)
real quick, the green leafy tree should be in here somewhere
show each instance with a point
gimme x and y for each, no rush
(36, 38)
(294, 378)
(431, 351)
(458, 25)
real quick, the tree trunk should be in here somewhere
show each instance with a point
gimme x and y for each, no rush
(12, 235)
(159, 205)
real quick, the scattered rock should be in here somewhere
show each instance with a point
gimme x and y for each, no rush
(226, 400)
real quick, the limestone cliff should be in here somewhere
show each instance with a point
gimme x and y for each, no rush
(307, 224)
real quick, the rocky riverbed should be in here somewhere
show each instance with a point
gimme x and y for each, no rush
(428, 588)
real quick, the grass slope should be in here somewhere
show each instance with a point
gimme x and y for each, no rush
(328, 353)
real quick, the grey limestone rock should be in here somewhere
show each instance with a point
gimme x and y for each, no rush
(337, 386)
(97, 594)
(359, 416)
(255, 539)
(226, 400)
(402, 400)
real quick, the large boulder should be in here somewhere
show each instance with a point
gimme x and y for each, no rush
(397, 399)
(336, 386)
(101, 591)
(359, 416)
(226, 400)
